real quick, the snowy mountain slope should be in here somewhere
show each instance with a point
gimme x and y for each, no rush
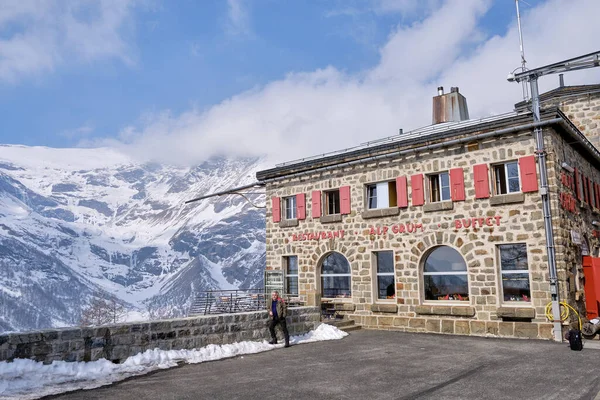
(114, 226)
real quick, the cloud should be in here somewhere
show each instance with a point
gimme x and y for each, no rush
(38, 36)
(82, 131)
(319, 111)
(238, 18)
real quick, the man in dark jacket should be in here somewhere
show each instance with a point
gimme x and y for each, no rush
(277, 312)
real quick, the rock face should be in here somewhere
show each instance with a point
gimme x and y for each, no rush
(79, 223)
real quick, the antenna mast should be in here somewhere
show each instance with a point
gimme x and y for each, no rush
(523, 61)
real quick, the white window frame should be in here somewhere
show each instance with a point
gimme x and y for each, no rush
(446, 273)
(436, 180)
(289, 207)
(375, 264)
(507, 178)
(513, 271)
(288, 276)
(381, 193)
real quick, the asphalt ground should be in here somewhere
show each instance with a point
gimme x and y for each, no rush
(379, 365)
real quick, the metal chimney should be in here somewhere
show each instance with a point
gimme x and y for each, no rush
(561, 80)
(449, 107)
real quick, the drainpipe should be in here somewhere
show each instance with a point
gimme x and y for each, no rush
(546, 210)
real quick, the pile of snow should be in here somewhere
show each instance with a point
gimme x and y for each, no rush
(27, 379)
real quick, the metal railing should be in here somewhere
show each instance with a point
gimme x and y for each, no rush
(234, 301)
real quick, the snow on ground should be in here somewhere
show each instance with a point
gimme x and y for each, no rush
(27, 379)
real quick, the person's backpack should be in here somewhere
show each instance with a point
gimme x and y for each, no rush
(575, 340)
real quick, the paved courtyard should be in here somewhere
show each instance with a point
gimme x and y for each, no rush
(379, 365)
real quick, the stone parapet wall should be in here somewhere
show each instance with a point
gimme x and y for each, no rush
(524, 330)
(117, 342)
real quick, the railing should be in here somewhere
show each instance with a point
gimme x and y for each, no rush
(234, 301)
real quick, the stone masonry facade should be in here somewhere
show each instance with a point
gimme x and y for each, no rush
(412, 232)
(117, 342)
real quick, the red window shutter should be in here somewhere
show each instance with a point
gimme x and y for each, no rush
(457, 183)
(598, 195)
(589, 191)
(577, 184)
(301, 206)
(416, 183)
(316, 203)
(345, 200)
(276, 209)
(528, 172)
(402, 191)
(482, 181)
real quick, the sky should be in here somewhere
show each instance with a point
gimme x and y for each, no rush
(179, 82)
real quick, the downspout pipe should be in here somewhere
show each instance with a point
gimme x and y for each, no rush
(419, 149)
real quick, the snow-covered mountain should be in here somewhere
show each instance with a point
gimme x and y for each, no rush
(79, 223)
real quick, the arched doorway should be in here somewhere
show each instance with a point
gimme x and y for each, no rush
(335, 276)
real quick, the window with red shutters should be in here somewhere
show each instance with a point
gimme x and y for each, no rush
(457, 181)
(276, 209)
(528, 172)
(301, 206)
(316, 203)
(482, 181)
(345, 200)
(402, 191)
(416, 184)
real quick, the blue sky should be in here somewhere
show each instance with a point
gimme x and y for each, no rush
(130, 72)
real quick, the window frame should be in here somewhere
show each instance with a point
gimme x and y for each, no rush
(391, 199)
(435, 181)
(501, 274)
(287, 200)
(507, 178)
(328, 194)
(377, 274)
(288, 276)
(339, 275)
(464, 272)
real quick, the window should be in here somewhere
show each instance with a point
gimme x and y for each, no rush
(381, 195)
(290, 263)
(289, 207)
(506, 178)
(515, 272)
(439, 187)
(332, 202)
(384, 261)
(335, 276)
(445, 276)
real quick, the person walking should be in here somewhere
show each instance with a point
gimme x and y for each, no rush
(278, 312)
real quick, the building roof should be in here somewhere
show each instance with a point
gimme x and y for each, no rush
(561, 92)
(430, 135)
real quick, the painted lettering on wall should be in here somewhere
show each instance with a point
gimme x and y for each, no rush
(480, 222)
(397, 228)
(317, 235)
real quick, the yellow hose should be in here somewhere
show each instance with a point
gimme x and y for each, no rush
(564, 313)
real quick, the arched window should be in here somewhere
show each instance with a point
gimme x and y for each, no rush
(335, 276)
(445, 276)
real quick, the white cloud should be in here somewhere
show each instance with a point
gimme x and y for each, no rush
(238, 18)
(324, 110)
(82, 131)
(41, 35)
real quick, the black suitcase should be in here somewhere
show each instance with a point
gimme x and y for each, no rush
(575, 340)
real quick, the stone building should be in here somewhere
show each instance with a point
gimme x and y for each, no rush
(441, 229)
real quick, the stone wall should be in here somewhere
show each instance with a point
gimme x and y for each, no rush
(584, 112)
(117, 342)
(486, 313)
